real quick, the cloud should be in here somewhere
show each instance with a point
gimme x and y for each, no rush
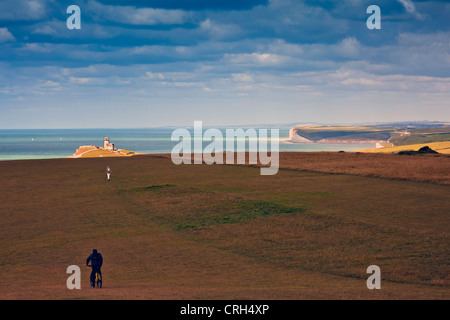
(35, 48)
(46, 30)
(49, 84)
(408, 5)
(242, 77)
(256, 59)
(153, 76)
(350, 78)
(220, 31)
(411, 8)
(349, 48)
(6, 36)
(25, 10)
(137, 16)
(173, 53)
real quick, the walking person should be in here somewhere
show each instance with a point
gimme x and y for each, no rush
(108, 173)
(96, 260)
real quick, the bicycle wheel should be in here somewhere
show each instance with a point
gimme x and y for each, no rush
(98, 280)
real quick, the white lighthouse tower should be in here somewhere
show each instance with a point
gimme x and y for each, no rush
(107, 145)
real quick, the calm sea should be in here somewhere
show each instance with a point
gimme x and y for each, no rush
(61, 143)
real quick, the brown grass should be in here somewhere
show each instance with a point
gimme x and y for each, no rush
(425, 168)
(225, 232)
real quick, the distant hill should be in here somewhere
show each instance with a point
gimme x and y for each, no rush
(339, 134)
(391, 136)
(420, 136)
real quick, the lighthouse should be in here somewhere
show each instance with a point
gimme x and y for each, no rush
(107, 145)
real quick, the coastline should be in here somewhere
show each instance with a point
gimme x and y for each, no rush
(284, 147)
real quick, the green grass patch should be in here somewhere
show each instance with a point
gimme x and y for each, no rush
(153, 188)
(232, 212)
(304, 198)
(225, 189)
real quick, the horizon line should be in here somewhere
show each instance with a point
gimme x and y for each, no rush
(287, 124)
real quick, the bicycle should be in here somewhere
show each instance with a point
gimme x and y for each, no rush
(98, 279)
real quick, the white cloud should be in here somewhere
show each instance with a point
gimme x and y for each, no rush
(349, 48)
(263, 59)
(242, 77)
(6, 36)
(408, 5)
(138, 16)
(49, 84)
(153, 76)
(23, 9)
(38, 47)
(411, 8)
(79, 80)
(348, 78)
(46, 30)
(220, 31)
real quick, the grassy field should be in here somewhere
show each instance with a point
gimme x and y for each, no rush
(226, 232)
(425, 168)
(441, 147)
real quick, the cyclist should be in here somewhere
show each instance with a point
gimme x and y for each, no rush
(96, 260)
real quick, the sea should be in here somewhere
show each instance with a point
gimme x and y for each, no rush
(27, 144)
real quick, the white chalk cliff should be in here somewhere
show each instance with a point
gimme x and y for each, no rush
(295, 137)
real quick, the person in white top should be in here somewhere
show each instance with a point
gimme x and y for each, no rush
(108, 173)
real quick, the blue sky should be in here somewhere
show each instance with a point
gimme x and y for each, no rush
(161, 62)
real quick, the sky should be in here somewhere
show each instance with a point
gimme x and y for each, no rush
(136, 64)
